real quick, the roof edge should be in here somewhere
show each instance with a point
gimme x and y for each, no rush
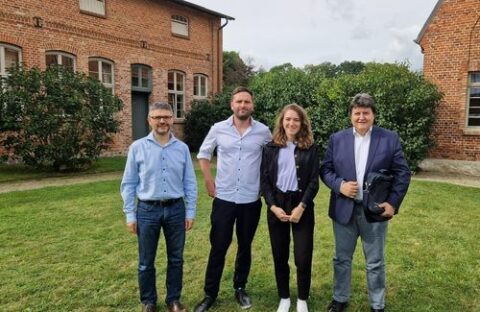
(203, 9)
(427, 23)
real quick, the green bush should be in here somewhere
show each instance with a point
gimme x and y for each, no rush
(405, 101)
(202, 116)
(56, 118)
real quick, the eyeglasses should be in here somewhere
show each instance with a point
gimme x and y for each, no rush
(158, 118)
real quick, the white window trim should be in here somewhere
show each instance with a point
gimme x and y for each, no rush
(3, 69)
(100, 71)
(200, 78)
(96, 7)
(59, 55)
(181, 22)
(176, 92)
(467, 112)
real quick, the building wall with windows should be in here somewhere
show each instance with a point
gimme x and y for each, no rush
(450, 42)
(144, 50)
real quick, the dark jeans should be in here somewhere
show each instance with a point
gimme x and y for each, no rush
(224, 216)
(150, 219)
(302, 246)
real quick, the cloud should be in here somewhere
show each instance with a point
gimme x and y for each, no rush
(360, 31)
(341, 9)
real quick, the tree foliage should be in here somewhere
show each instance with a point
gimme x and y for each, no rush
(55, 118)
(235, 71)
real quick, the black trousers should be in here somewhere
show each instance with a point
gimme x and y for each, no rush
(224, 216)
(302, 233)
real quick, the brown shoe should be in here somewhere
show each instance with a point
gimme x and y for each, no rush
(149, 307)
(176, 306)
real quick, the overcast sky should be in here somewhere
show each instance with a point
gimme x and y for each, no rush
(273, 32)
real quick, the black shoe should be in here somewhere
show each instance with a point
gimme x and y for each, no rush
(242, 298)
(205, 304)
(377, 310)
(149, 307)
(336, 306)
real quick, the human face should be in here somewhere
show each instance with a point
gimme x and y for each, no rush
(362, 119)
(160, 120)
(291, 124)
(242, 105)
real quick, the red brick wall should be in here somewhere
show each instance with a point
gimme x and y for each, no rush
(117, 37)
(451, 47)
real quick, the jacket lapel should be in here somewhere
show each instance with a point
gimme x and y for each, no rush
(350, 152)
(374, 140)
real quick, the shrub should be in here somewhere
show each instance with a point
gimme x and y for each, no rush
(202, 116)
(56, 118)
(405, 101)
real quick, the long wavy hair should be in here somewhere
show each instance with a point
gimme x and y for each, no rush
(304, 137)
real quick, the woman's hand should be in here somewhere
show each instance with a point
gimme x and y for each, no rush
(280, 213)
(297, 213)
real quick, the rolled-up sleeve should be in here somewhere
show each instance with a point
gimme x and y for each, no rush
(208, 145)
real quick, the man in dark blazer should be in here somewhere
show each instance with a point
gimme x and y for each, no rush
(352, 154)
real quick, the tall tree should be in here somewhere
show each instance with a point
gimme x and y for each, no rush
(235, 71)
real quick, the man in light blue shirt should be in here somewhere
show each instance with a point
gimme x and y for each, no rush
(239, 141)
(159, 175)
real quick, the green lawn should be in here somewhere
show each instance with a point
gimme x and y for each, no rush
(19, 172)
(67, 249)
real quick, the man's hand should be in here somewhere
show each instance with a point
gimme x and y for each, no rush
(349, 188)
(188, 224)
(132, 227)
(210, 185)
(389, 210)
(280, 213)
(297, 213)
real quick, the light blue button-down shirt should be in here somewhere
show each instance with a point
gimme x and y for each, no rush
(238, 159)
(156, 172)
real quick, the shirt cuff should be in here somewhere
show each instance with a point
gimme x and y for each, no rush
(131, 217)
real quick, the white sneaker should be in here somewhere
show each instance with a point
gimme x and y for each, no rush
(284, 305)
(302, 306)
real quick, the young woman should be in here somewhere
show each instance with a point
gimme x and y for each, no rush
(289, 182)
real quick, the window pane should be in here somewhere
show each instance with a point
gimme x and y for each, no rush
(93, 69)
(145, 76)
(51, 60)
(474, 122)
(475, 92)
(135, 80)
(474, 102)
(68, 62)
(203, 86)
(12, 58)
(107, 72)
(475, 77)
(195, 85)
(171, 84)
(180, 112)
(474, 112)
(179, 82)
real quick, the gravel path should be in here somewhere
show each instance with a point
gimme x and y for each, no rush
(36, 184)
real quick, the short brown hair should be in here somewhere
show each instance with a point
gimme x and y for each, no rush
(241, 89)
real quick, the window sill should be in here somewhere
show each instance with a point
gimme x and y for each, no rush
(93, 14)
(471, 131)
(179, 121)
(181, 36)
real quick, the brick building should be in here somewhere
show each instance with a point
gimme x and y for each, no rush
(450, 42)
(144, 50)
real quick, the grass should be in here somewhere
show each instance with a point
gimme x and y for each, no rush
(20, 172)
(67, 249)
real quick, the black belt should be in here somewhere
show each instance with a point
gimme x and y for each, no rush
(163, 203)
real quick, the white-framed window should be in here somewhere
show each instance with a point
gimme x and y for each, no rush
(473, 109)
(64, 59)
(96, 7)
(10, 56)
(102, 70)
(200, 86)
(180, 25)
(176, 93)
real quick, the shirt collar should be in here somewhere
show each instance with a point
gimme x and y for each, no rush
(368, 134)
(230, 121)
(151, 137)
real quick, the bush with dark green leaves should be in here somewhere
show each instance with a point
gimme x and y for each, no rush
(405, 101)
(203, 115)
(55, 118)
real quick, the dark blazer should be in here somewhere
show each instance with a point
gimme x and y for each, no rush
(385, 152)
(307, 164)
